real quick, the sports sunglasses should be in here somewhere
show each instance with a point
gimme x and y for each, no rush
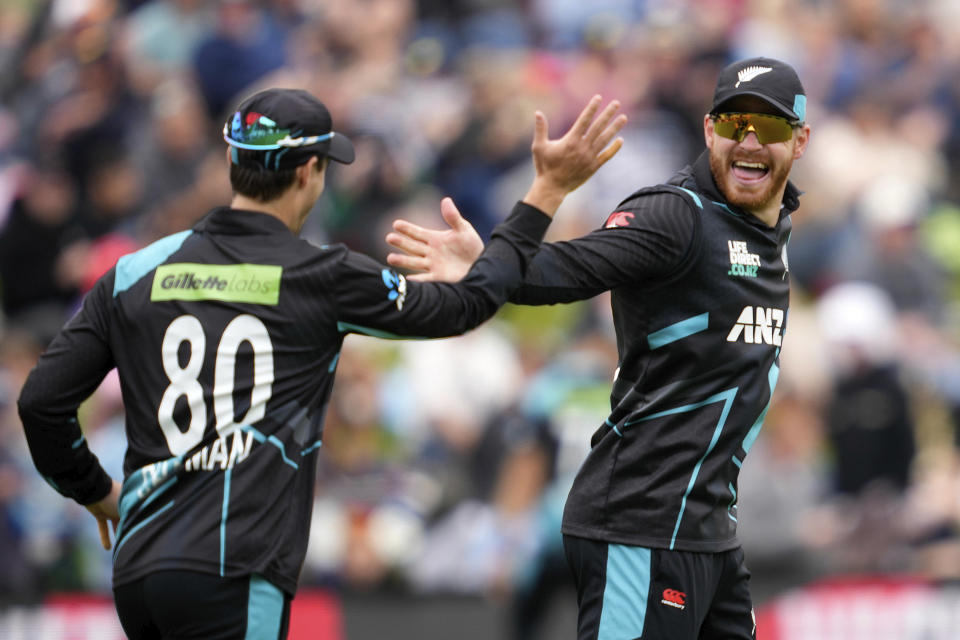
(736, 126)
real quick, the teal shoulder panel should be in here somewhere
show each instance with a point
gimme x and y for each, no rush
(133, 266)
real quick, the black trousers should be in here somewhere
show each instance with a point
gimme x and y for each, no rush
(188, 605)
(629, 593)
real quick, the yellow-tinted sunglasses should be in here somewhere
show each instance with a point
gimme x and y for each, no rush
(736, 126)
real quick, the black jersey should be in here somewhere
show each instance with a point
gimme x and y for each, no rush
(699, 291)
(226, 339)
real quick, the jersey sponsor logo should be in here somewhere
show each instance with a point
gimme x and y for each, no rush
(253, 283)
(674, 598)
(396, 287)
(618, 219)
(758, 325)
(221, 454)
(742, 262)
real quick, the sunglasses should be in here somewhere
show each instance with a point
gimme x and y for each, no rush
(736, 126)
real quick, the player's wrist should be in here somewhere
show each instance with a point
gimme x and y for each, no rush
(546, 195)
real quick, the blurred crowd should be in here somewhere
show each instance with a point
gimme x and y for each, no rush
(446, 463)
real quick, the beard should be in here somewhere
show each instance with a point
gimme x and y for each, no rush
(738, 196)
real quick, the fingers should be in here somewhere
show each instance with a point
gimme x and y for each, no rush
(451, 215)
(411, 230)
(404, 261)
(609, 152)
(406, 244)
(540, 129)
(422, 277)
(104, 533)
(599, 126)
(604, 138)
(582, 124)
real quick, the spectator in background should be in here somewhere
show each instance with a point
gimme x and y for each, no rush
(869, 422)
(160, 38)
(245, 46)
(36, 286)
(168, 152)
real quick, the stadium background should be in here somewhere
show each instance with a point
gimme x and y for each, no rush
(446, 463)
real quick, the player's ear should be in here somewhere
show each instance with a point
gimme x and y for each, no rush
(708, 130)
(305, 170)
(803, 138)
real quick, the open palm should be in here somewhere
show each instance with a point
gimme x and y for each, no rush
(443, 255)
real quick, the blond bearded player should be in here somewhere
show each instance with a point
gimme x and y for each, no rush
(698, 276)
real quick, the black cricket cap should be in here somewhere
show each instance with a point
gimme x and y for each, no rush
(770, 80)
(286, 127)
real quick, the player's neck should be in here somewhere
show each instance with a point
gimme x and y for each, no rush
(283, 209)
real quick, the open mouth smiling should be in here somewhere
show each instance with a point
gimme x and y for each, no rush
(750, 171)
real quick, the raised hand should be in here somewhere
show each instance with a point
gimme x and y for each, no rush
(561, 166)
(564, 164)
(440, 254)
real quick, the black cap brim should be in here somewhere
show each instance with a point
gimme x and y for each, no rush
(341, 149)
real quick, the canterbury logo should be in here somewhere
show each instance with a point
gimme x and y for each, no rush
(618, 219)
(749, 73)
(674, 598)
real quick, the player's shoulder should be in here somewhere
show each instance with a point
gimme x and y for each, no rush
(647, 206)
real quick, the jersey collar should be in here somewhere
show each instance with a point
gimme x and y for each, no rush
(225, 220)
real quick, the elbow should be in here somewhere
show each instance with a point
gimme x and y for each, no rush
(31, 403)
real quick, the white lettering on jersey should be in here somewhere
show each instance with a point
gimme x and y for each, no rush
(758, 325)
(220, 454)
(742, 262)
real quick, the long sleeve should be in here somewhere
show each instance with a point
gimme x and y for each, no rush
(67, 373)
(375, 300)
(645, 241)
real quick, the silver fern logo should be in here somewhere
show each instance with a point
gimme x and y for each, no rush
(749, 73)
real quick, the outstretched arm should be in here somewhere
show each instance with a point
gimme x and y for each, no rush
(377, 301)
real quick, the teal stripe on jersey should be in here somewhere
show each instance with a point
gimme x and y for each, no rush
(727, 397)
(678, 331)
(120, 533)
(264, 610)
(733, 501)
(145, 522)
(223, 517)
(274, 440)
(143, 486)
(133, 266)
(626, 593)
(693, 195)
(315, 445)
(347, 327)
(751, 436)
